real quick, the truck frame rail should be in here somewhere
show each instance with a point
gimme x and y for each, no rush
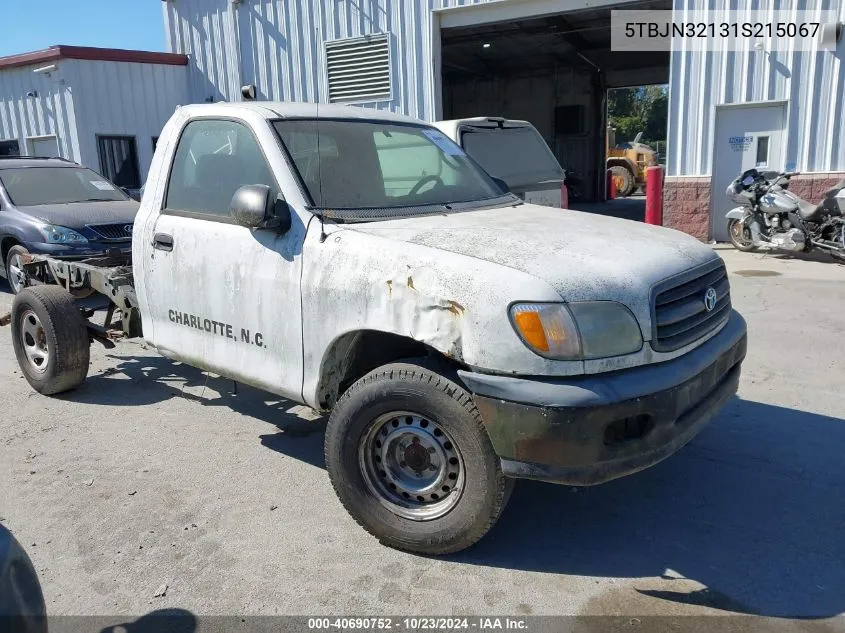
(109, 276)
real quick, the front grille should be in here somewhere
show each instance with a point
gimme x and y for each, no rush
(680, 315)
(113, 232)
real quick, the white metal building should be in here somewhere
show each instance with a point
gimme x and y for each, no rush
(548, 61)
(103, 108)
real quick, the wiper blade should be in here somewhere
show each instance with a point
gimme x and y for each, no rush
(98, 200)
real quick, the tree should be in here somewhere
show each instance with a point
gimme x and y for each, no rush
(643, 109)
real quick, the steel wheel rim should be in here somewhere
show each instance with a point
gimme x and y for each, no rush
(738, 230)
(15, 271)
(34, 342)
(411, 465)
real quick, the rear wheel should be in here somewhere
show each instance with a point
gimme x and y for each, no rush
(740, 236)
(623, 180)
(840, 255)
(14, 268)
(50, 339)
(410, 460)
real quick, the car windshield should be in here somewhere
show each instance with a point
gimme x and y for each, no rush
(355, 164)
(517, 155)
(33, 186)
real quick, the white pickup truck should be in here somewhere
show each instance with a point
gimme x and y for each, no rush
(360, 263)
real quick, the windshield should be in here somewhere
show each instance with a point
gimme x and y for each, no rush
(517, 155)
(351, 164)
(32, 186)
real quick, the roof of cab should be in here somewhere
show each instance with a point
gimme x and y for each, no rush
(295, 110)
(450, 127)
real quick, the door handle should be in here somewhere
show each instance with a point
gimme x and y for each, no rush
(163, 242)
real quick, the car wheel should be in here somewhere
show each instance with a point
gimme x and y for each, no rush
(410, 460)
(14, 268)
(50, 338)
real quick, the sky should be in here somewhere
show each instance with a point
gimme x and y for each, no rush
(35, 24)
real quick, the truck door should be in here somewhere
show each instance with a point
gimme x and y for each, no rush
(221, 296)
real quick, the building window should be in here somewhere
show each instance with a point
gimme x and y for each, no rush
(10, 148)
(213, 160)
(119, 160)
(762, 151)
(358, 70)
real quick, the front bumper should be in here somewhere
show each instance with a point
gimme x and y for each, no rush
(588, 430)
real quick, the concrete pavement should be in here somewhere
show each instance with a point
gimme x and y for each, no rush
(153, 473)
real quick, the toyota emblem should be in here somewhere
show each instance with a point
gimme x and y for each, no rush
(710, 299)
(128, 228)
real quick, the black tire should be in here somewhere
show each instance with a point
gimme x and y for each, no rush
(742, 243)
(421, 387)
(623, 179)
(15, 252)
(47, 323)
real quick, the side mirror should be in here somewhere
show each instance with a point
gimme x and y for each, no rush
(254, 207)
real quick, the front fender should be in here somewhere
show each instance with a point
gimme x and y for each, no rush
(737, 213)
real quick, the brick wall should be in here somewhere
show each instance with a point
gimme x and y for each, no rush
(686, 205)
(811, 187)
(686, 200)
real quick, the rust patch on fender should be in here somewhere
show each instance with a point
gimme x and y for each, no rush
(456, 308)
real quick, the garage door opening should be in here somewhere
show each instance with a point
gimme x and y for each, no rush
(637, 122)
(553, 70)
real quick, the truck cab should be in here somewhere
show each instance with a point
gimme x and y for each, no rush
(361, 263)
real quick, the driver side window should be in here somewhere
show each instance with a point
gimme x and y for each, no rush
(214, 159)
(406, 159)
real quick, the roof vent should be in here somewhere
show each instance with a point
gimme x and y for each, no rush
(359, 69)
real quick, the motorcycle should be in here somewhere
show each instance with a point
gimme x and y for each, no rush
(770, 217)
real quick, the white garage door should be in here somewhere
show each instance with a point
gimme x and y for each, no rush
(746, 137)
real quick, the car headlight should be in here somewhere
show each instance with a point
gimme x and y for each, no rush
(62, 235)
(577, 331)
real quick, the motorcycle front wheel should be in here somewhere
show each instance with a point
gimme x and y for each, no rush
(740, 236)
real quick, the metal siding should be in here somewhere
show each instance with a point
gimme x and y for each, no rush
(812, 82)
(120, 98)
(46, 114)
(280, 44)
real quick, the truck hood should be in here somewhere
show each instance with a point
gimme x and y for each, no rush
(77, 214)
(583, 256)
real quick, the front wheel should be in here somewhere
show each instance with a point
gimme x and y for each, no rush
(410, 460)
(623, 181)
(15, 274)
(740, 236)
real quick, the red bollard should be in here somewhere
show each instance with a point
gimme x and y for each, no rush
(654, 195)
(564, 197)
(611, 186)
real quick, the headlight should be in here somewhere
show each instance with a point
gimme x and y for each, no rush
(576, 331)
(62, 235)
